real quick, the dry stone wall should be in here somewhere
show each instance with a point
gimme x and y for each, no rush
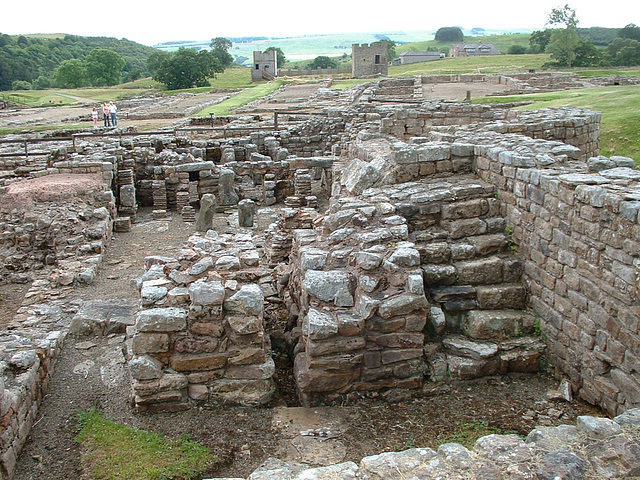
(577, 232)
(54, 244)
(199, 338)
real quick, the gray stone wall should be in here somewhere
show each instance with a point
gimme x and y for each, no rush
(593, 448)
(577, 232)
(199, 338)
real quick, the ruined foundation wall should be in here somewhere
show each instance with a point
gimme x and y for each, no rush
(199, 337)
(54, 245)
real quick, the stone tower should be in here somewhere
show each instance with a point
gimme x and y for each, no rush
(369, 60)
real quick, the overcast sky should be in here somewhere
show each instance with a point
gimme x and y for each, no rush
(150, 23)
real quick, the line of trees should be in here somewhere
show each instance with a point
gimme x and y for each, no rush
(569, 49)
(33, 61)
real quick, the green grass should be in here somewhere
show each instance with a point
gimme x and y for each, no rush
(589, 72)
(246, 96)
(484, 65)
(620, 107)
(502, 42)
(111, 451)
(35, 98)
(467, 433)
(44, 128)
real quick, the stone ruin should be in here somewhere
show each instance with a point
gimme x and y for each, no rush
(453, 241)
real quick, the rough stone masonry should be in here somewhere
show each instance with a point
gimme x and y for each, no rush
(459, 241)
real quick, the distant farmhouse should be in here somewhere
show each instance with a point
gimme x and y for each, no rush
(416, 57)
(473, 49)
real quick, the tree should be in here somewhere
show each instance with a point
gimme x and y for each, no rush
(281, 59)
(323, 62)
(563, 16)
(563, 45)
(391, 48)
(517, 50)
(587, 55)
(564, 41)
(104, 67)
(184, 68)
(71, 74)
(449, 34)
(539, 40)
(220, 48)
(41, 83)
(20, 85)
(624, 52)
(631, 31)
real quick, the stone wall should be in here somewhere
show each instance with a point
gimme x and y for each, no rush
(577, 232)
(54, 244)
(199, 338)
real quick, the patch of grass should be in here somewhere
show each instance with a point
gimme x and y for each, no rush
(35, 98)
(348, 83)
(45, 128)
(589, 73)
(620, 107)
(244, 97)
(484, 65)
(111, 451)
(467, 433)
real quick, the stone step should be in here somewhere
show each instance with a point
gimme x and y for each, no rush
(482, 297)
(443, 251)
(467, 358)
(495, 325)
(491, 270)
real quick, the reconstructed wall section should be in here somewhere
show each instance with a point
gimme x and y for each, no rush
(577, 232)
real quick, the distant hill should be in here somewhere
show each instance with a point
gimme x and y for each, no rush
(27, 57)
(302, 47)
(305, 47)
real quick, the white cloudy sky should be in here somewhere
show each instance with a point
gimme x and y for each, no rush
(150, 23)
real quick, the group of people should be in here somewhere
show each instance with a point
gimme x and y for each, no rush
(109, 113)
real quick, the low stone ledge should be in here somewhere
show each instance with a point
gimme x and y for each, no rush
(597, 448)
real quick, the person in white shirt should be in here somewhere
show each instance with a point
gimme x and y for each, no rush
(112, 110)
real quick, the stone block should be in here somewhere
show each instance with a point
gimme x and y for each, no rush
(171, 319)
(401, 305)
(197, 362)
(245, 324)
(249, 300)
(318, 325)
(494, 324)
(150, 343)
(330, 286)
(497, 297)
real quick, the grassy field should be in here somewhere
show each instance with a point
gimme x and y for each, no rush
(486, 65)
(502, 42)
(620, 107)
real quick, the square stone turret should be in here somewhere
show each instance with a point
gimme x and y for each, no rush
(369, 60)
